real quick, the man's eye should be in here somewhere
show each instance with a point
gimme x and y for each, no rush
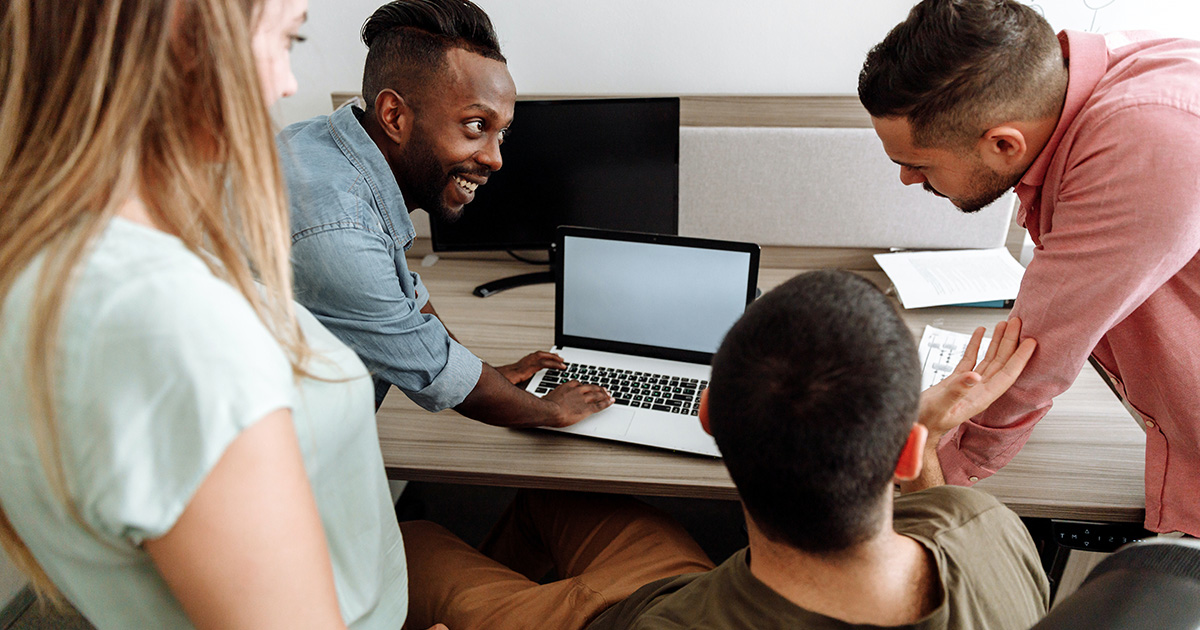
(475, 126)
(503, 135)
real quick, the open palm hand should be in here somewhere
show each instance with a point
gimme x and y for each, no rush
(971, 388)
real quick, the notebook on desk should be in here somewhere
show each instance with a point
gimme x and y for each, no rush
(642, 315)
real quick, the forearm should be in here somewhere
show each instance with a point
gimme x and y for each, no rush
(931, 471)
(494, 400)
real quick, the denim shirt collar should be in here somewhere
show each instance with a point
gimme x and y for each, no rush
(347, 131)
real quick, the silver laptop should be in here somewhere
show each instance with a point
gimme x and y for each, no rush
(642, 315)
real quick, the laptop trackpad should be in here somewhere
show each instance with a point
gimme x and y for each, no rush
(612, 422)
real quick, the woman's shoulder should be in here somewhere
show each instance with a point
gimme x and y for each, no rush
(138, 280)
(144, 304)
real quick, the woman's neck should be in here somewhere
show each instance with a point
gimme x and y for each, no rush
(133, 209)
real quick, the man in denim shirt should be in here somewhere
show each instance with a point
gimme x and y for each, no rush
(439, 101)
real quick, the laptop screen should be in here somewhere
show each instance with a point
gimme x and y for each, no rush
(663, 292)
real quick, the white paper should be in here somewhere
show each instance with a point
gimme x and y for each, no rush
(941, 350)
(952, 277)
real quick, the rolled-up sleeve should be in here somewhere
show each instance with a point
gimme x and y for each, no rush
(347, 276)
(419, 290)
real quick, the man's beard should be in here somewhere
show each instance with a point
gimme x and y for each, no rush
(426, 180)
(991, 185)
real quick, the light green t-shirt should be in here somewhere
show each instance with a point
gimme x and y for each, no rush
(162, 366)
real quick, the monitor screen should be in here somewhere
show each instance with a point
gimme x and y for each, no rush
(603, 163)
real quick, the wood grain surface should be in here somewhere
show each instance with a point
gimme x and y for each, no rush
(1083, 461)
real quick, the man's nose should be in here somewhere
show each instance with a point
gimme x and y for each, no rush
(490, 156)
(910, 176)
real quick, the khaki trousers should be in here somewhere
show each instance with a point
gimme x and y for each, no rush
(601, 548)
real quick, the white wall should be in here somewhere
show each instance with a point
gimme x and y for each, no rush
(680, 46)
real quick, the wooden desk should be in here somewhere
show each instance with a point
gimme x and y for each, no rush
(1084, 460)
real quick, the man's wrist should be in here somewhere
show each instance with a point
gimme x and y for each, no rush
(550, 413)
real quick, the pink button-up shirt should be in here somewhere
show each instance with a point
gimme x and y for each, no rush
(1113, 205)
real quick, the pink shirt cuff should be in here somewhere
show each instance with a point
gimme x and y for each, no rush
(957, 468)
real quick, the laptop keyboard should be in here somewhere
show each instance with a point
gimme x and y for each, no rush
(644, 390)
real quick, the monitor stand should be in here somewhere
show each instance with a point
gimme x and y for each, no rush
(496, 286)
(521, 280)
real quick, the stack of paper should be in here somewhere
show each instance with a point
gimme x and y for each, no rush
(952, 277)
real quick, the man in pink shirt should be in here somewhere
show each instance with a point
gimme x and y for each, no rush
(1100, 136)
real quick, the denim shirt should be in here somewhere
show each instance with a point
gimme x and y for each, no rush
(350, 230)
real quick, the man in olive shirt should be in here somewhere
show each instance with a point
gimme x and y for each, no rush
(815, 403)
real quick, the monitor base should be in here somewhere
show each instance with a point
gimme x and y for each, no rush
(496, 286)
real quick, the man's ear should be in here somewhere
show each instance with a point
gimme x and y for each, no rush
(394, 116)
(912, 455)
(703, 413)
(1004, 147)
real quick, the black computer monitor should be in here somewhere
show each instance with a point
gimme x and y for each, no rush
(609, 163)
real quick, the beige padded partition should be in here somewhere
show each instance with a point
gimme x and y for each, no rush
(816, 187)
(803, 171)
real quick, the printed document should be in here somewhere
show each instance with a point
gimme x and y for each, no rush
(952, 277)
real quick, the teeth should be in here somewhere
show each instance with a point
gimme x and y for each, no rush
(470, 186)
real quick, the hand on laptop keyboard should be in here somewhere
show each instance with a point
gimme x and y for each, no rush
(524, 369)
(645, 390)
(577, 401)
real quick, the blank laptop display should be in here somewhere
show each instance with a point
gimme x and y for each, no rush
(651, 294)
(642, 315)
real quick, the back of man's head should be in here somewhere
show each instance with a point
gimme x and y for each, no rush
(813, 394)
(956, 68)
(407, 42)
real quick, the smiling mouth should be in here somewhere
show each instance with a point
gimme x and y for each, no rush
(466, 184)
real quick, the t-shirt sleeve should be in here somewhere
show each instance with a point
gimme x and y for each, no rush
(990, 567)
(176, 367)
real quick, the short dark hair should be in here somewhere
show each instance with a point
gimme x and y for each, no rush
(812, 396)
(407, 42)
(956, 68)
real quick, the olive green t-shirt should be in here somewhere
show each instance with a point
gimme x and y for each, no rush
(989, 570)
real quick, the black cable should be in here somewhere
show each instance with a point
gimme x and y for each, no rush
(528, 260)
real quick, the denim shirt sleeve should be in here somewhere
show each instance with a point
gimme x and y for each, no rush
(420, 290)
(347, 277)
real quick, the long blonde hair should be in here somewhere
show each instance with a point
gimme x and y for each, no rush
(104, 99)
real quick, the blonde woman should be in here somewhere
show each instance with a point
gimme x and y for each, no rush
(182, 447)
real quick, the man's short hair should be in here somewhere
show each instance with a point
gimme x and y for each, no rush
(407, 41)
(813, 393)
(956, 68)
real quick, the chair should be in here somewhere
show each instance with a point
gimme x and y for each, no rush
(1150, 584)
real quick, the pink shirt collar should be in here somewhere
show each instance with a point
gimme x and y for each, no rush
(1088, 61)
